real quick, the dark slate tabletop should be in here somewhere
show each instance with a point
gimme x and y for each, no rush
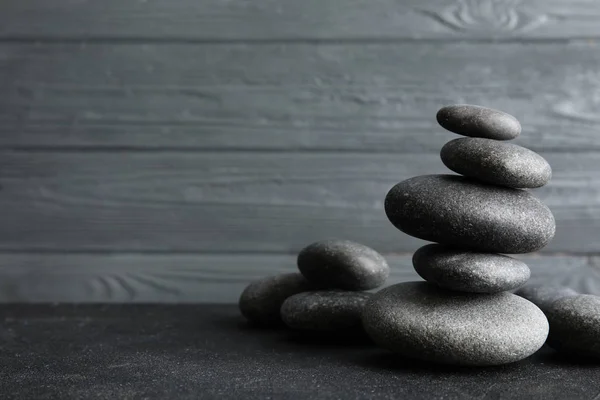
(208, 351)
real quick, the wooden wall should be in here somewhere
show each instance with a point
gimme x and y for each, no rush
(173, 150)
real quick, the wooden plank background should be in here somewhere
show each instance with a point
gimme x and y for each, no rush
(172, 150)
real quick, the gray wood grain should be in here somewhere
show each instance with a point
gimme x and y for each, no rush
(205, 278)
(304, 20)
(380, 98)
(242, 202)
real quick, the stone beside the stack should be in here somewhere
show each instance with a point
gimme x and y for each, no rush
(261, 301)
(575, 326)
(472, 217)
(343, 264)
(325, 311)
(544, 295)
(325, 296)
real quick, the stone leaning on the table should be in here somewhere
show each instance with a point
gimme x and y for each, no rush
(460, 211)
(476, 121)
(495, 162)
(468, 271)
(420, 320)
(261, 301)
(342, 264)
(325, 310)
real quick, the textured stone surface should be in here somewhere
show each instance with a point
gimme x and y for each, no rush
(325, 310)
(575, 325)
(467, 271)
(496, 162)
(420, 320)
(544, 295)
(261, 301)
(342, 264)
(477, 121)
(459, 211)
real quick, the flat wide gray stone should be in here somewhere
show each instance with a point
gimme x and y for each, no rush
(342, 264)
(544, 295)
(420, 320)
(496, 162)
(477, 121)
(325, 311)
(575, 326)
(469, 271)
(261, 301)
(456, 210)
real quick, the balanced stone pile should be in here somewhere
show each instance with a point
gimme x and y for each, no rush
(464, 313)
(328, 295)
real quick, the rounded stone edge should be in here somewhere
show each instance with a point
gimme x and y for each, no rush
(292, 303)
(340, 282)
(578, 332)
(444, 119)
(391, 214)
(452, 283)
(447, 155)
(261, 300)
(368, 315)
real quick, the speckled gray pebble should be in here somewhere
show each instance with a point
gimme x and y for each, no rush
(456, 210)
(496, 162)
(325, 311)
(477, 121)
(342, 264)
(420, 320)
(261, 301)
(544, 295)
(575, 326)
(467, 271)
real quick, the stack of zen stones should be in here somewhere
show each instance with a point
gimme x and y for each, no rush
(327, 295)
(464, 314)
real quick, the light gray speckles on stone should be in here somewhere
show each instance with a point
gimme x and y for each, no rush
(261, 301)
(477, 121)
(342, 264)
(468, 271)
(325, 311)
(420, 320)
(575, 325)
(496, 162)
(456, 210)
(544, 295)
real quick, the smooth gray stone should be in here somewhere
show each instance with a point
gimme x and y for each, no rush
(496, 162)
(544, 295)
(477, 121)
(342, 264)
(456, 210)
(468, 271)
(575, 325)
(420, 320)
(325, 311)
(261, 301)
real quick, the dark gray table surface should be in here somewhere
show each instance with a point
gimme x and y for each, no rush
(208, 351)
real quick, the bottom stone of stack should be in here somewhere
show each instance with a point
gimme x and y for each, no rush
(420, 320)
